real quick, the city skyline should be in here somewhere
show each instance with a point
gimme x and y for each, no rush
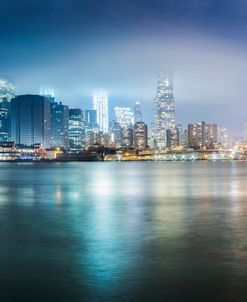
(99, 96)
(120, 46)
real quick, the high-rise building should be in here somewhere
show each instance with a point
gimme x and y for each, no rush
(76, 129)
(100, 104)
(137, 112)
(30, 120)
(196, 134)
(211, 137)
(202, 135)
(127, 137)
(59, 125)
(124, 116)
(223, 136)
(140, 135)
(182, 136)
(7, 88)
(164, 112)
(4, 120)
(90, 118)
(116, 135)
(172, 137)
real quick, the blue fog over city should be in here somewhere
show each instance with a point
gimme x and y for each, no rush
(123, 150)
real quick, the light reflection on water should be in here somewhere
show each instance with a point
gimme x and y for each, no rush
(123, 231)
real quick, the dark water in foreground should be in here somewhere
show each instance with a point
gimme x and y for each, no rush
(123, 231)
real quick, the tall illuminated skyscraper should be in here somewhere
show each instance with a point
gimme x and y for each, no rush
(7, 89)
(137, 112)
(59, 125)
(76, 129)
(164, 112)
(100, 104)
(124, 116)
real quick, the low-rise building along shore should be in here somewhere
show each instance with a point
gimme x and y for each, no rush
(9, 151)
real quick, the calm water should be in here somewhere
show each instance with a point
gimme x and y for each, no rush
(123, 231)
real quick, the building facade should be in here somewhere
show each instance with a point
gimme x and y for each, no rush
(140, 135)
(124, 116)
(30, 120)
(164, 112)
(91, 118)
(59, 125)
(100, 104)
(223, 137)
(4, 120)
(201, 135)
(76, 130)
(137, 112)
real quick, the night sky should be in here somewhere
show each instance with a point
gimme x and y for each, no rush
(76, 46)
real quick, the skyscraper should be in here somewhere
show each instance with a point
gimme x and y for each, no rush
(4, 120)
(30, 120)
(59, 125)
(202, 135)
(124, 116)
(140, 135)
(76, 129)
(7, 88)
(137, 112)
(196, 135)
(100, 104)
(223, 136)
(164, 112)
(90, 118)
(116, 135)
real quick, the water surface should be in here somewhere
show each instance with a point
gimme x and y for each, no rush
(136, 231)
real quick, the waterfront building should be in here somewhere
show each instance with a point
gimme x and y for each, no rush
(4, 120)
(59, 125)
(30, 120)
(137, 112)
(210, 136)
(172, 137)
(140, 135)
(124, 116)
(184, 140)
(116, 135)
(102, 139)
(91, 118)
(180, 133)
(89, 138)
(196, 135)
(202, 135)
(76, 130)
(127, 137)
(7, 88)
(223, 136)
(100, 104)
(164, 112)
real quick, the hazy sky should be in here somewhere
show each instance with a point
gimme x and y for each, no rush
(121, 45)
